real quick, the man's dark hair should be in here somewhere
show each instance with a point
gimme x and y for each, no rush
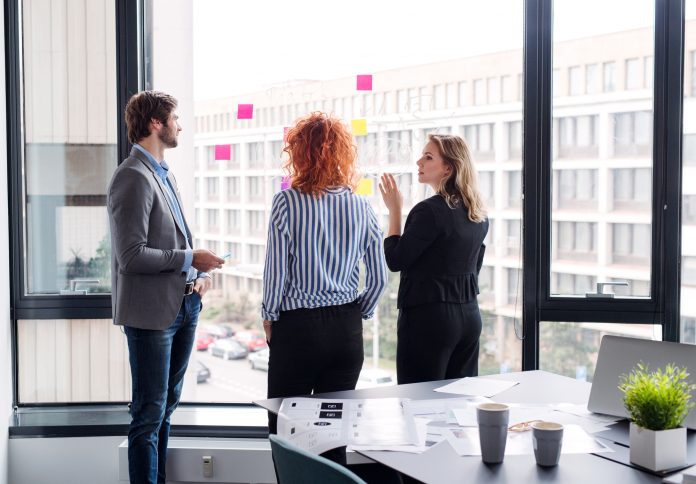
(142, 108)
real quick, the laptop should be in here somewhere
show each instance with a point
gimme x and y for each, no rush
(619, 355)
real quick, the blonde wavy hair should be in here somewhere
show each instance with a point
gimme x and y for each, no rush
(461, 185)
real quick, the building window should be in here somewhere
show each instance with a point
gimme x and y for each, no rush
(688, 271)
(255, 188)
(634, 74)
(256, 155)
(633, 134)
(257, 224)
(575, 240)
(233, 221)
(257, 253)
(479, 137)
(576, 136)
(689, 209)
(648, 72)
(572, 284)
(514, 189)
(576, 83)
(399, 146)
(575, 189)
(689, 149)
(592, 78)
(211, 216)
(609, 69)
(211, 188)
(462, 94)
(232, 248)
(485, 185)
(439, 93)
(631, 243)
(513, 229)
(232, 187)
(514, 129)
(632, 188)
(514, 286)
(367, 149)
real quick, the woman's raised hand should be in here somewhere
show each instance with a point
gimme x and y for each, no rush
(390, 193)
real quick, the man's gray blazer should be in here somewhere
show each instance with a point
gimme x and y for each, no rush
(148, 246)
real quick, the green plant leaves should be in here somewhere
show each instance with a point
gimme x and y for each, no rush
(657, 400)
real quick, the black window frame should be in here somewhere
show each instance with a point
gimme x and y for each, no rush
(133, 66)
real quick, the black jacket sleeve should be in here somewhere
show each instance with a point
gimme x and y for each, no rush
(420, 232)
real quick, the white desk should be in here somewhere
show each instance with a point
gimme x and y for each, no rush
(441, 464)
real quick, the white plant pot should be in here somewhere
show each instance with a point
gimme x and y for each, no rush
(658, 450)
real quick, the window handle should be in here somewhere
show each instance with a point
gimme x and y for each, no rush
(600, 289)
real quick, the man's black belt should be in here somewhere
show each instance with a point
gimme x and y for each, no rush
(188, 288)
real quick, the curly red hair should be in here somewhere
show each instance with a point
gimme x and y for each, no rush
(321, 154)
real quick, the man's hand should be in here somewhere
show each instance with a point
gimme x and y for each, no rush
(267, 328)
(205, 260)
(202, 285)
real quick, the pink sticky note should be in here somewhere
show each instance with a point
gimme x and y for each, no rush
(245, 111)
(364, 82)
(285, 133)
(223, 152)
(285, 183)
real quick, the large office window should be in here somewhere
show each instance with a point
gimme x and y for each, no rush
(600, 229)
(69, 76)
(688, 212)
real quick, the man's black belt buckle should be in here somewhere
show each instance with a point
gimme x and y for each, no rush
(188, 288)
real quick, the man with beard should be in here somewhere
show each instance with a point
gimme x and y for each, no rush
(158, 279)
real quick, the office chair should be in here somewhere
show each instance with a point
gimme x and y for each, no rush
(294, 465)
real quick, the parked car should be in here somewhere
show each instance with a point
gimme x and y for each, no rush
(227, 328)
(202, 372)
(259, 359)
(228, 349)
(214, 330)
(203, 340)
(374, 377)
(252, 339)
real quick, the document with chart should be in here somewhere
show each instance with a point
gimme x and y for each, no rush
(318, 425)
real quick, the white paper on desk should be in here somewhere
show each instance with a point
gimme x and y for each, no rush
(440, 409)
(420, 447)
(476, 386)
(678, 477)
(318, 425)
(465, 441)
(466, 417)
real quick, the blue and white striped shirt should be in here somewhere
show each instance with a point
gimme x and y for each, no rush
(315, 246)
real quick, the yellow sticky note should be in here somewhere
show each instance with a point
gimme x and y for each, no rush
(366, 186)
(359, 127)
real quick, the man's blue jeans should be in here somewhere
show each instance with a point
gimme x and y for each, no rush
(158, 361)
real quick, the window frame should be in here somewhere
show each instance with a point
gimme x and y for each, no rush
(133, 66)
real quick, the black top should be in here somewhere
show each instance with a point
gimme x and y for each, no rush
(439, 254)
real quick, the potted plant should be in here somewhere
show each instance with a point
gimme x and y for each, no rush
(657, 403)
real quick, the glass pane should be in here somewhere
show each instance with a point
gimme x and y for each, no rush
(466, 81)
(688, 242)
(602, 147)
(571, 349)
(69, 76)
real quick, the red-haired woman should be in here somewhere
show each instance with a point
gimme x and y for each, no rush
(319, 232)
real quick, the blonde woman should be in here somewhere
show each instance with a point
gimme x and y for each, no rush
(439, 255)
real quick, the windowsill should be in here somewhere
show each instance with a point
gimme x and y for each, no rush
(189, 420)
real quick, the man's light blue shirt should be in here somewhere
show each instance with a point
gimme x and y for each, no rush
(162, 170)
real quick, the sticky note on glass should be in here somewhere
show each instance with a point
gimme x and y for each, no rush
(285, 183)
(245, 111)
(359, 127)
(365, 187)
(223, 152)
(364, 82)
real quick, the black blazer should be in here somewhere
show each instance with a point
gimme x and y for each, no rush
(439, 254)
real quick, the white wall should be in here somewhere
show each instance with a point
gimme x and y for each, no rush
(5, 339)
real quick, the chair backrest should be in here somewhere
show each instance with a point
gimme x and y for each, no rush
(295, 465)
